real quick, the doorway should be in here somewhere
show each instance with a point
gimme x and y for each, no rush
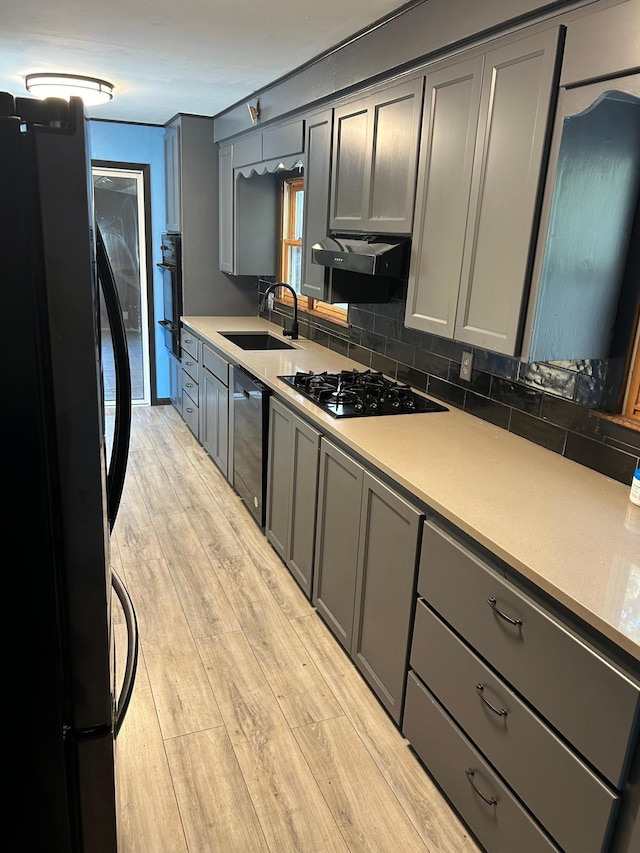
(119, 209)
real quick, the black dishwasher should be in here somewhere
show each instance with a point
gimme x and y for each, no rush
(250, 440)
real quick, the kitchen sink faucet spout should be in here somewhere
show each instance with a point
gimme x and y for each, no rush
(293, 331)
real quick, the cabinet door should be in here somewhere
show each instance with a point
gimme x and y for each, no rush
(385, 589)
(375, 151)
(304, 491)
(512, 141)
(338, 519)
(449, 126)
(172, 177)
(392, 152)
(279, 477)
(175, 382)
(317, 173)
(225, 190)
(214, 430)
(350, 138)
(586, 234)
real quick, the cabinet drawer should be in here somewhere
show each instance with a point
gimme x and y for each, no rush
(190, 387)
(532, 759)
(501, 825)
(590, 702)
(191, 366)
(189, 343)
(215, 364)
(190, 414)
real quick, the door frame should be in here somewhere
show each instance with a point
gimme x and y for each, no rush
(145, 170)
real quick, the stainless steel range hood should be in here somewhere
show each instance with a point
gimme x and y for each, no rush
(386, 255)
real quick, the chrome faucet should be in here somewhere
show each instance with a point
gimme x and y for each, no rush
(293, 331)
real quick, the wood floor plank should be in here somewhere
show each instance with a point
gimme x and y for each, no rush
(290, 807)
(301, 691)
(184, 700)
(133, 532)
(355, 790)
(284, 589)
(148, 816)
(437, 824)
(217, 811)
(203, 599)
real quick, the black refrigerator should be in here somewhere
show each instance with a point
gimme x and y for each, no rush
(62, 482)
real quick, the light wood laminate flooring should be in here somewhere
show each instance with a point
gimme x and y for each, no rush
(249, 728)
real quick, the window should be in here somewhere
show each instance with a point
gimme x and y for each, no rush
(291, 255)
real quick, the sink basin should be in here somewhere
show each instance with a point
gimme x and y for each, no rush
(256, 340)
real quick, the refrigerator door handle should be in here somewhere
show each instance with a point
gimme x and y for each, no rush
(122, 702)
(122, 424)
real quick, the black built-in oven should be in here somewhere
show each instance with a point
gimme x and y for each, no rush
(171, 267)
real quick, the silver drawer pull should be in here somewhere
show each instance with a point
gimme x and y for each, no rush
(490, 801)
(501, 712)
(491, 601)
(189, 385)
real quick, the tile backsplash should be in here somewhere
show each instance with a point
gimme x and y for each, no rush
(547, 403)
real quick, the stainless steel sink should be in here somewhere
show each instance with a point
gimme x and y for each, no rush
(256, 340)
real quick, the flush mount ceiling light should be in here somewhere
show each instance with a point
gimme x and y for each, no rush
(92, 90)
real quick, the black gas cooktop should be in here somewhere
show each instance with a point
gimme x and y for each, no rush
(360, 393)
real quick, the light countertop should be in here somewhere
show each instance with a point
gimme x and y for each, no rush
(571, 531)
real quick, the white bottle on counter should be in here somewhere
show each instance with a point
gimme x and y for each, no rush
(634, 495)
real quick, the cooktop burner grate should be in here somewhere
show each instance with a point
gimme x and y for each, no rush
(359, 393)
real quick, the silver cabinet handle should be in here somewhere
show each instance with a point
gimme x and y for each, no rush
(188, 384)
(490, 801)
(501, 712)
(494, 604)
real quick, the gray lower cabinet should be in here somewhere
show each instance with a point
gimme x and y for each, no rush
(549, 713)
(365, 565)
(375, 151)
(214, 408)
(292, 488)
(483, 147)
(190, 350)
(175, 382)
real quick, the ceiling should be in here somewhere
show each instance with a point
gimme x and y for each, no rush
(170, 56)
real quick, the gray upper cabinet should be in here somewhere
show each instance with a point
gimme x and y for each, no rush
(590, 56)
(469, 276)
(225, 200)
(375, 147)
(172, 177)
(317, 176)
(292, 490)
(249, 197)
(449, 129)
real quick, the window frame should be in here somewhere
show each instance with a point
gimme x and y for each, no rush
(315, 307)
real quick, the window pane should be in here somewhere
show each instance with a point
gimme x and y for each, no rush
(299, 204)
(295, 267)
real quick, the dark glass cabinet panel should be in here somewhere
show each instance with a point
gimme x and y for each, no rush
(590, 221)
